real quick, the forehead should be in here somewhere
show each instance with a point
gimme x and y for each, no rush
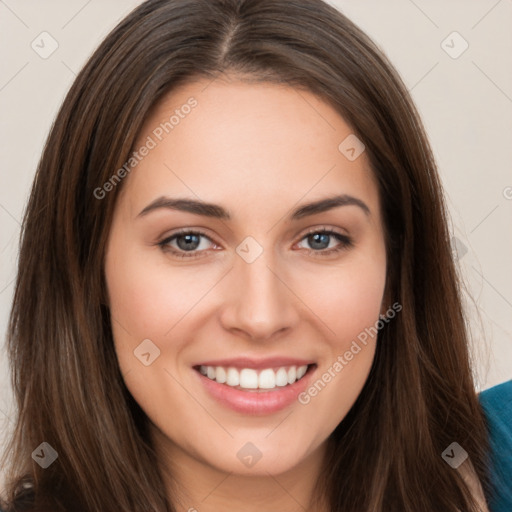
(239, 143)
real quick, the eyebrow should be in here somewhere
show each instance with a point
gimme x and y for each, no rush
(218, 212)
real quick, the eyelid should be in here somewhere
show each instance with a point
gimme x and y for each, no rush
(316, 229)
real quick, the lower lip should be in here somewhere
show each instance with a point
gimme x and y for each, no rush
(256, 402)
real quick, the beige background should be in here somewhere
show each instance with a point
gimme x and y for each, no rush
(466, 104)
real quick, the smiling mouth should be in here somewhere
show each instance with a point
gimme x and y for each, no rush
(249, 379)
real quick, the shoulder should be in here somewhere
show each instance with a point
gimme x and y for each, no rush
(496, 403)
(497, 406)
(499, 396)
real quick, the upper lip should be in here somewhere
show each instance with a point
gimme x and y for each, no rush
(256, 364)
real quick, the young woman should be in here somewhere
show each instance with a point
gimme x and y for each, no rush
(235, 288)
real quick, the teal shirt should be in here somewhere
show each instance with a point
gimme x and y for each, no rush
(497, 406)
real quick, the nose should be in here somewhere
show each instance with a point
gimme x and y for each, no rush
(260, 303)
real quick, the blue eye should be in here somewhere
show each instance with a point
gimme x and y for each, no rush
(188, 243)
(318, 239)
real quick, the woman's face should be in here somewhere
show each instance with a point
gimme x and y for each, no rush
(268, 286)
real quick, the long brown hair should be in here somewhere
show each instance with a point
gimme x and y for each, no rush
(420, 395)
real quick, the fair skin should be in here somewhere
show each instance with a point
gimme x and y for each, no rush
(260, 151)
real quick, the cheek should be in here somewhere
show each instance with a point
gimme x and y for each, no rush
(151, 299)
(347, 298)
(347, 301)
(148, 297)
(147, 300)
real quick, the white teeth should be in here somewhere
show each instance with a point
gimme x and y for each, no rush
(233, 377)
(267, 379)
(301, 370)
(220, 374)
(282, 377)
(249, 378)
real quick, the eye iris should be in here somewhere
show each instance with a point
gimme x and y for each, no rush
(319, 238)
(190, 239)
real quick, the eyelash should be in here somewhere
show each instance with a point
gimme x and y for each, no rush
(345, 242)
